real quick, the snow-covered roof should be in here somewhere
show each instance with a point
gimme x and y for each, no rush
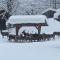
(48, 10)
(58, 10)
(57, 13)
(17, 19)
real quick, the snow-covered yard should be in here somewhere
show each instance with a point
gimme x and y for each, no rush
(48, 50)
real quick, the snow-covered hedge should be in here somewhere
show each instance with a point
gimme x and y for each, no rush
(57, 13)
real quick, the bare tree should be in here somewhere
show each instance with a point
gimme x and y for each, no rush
(22, 7)
(9, 5)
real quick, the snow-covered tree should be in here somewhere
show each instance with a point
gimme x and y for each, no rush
(28, 7)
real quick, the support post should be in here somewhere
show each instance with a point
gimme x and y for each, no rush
(39, 30)
(17, 29)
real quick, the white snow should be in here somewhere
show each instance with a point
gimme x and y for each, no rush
(58, 10)
(12, 31)
(27, 19)
(49, 50)
(57, 13)
(29, 30)
(53, 26)
(5, 31)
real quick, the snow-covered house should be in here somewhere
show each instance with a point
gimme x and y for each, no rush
(49, 12)
(28, 20)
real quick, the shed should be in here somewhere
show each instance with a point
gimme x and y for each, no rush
(49, 12)
(27, 20)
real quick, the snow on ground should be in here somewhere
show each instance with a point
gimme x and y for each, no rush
(48, 50)
(3, 40)
(29, 30)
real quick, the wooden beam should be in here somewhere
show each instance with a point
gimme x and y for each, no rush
(17, 29)
(32, 24)
(39, 30)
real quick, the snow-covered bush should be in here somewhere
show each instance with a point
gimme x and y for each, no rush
(57, 14)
